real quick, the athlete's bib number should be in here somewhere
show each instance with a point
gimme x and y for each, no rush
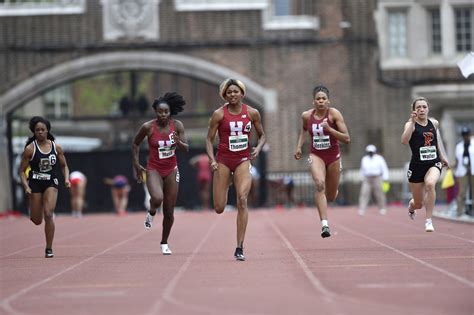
(321, 142)
(238, 143)
(165, 152)
(428, 153)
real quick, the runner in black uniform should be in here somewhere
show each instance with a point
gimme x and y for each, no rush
(42, 155)
(427, 160)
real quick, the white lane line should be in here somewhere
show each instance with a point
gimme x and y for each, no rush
(59, 239)
(327, 295)
(168, 291)
(5, 303)
(424, 263)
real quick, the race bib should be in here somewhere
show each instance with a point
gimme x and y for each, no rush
(321, 142)
(238, 143)
(166, 152)
(41, 176)
(428, 153)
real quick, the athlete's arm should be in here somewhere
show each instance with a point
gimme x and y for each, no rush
(211, 136)
(25, 159)
(63, 163)
(141, 134)
(341, 134)
(180, 137)
(301, 136)
(257, 122)
(442, 151)
(409, 128)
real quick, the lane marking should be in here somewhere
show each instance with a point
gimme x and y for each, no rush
(168, 291)
(5, 303)
(395, 285)
(327, 295)
(424, 263)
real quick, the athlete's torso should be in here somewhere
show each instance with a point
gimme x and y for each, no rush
(234, 132)
(162, 147)
(321, 143)
(424, 144)
(44, 164)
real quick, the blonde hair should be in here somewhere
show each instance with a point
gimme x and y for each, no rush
(421, 98)
(228, 82)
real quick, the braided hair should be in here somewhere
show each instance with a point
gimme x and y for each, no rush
(32, 125)
(175, 101)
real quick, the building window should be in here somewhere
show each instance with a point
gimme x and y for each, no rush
(435, 30)
(41, 7)
(292, 7)
(464, 29)
(397, 34)
(58, 102)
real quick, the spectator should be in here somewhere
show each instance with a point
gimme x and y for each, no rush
(120, 189)
(464, 158)
(78, 192)
(374, 172)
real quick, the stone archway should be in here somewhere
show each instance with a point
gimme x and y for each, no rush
(105, 62)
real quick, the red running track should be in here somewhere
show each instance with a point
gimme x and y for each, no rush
(371, 265)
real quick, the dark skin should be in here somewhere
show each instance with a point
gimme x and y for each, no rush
(42, 204)
(162, 190)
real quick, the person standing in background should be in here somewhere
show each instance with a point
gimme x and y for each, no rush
(78, 192)
(204, 177)
(464, 177)
(374, 172)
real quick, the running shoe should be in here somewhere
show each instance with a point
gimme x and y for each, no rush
(48, 253)
(239, 254)
(325, 231)
(383, 211)
(148, 221)
(429, 226)
(411, 212)
(165, 249)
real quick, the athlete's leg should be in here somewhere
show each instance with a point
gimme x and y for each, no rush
(318, 172)
(418, 194)
(49, 204)
(243, 183)
(220, 187)
(431, 178)
(36, 208)
(333, 174)
(170, 190)
(364, 196)
(154, 183)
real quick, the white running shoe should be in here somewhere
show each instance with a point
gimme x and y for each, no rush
(361, 212)
(165, 249)
(411, 212)
(429, 226)
(148, 221)
(383, 211)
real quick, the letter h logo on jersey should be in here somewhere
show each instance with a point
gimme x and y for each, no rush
(236, 127)
(317, 130)
(167, 143)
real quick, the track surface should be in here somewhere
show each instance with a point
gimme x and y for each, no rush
(371, 265)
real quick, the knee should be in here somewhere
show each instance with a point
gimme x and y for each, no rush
(430, 187)
(36, 221)
(242, 201)
(156, 201)
(219, 209)
(320, 186)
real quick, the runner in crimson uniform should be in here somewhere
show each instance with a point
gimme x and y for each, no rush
(165, 135)
(427, 160)
(233, 122)
(44, 157)
(326, 128)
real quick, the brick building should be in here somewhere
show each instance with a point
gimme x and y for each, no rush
(374, 56)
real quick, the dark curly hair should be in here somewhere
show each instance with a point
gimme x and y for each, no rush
(320, 88)
(32, 124)
(175, 101)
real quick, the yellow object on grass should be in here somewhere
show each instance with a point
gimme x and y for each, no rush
(448, 180)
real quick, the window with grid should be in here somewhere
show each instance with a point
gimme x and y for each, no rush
(435, 21)
(58, 102)
(464, 29)
(292, 7)
(397, 34)
(41, 7)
